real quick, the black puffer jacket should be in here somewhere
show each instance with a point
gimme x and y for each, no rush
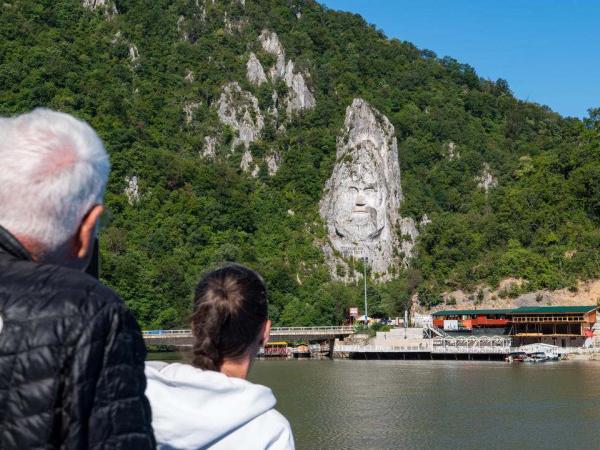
(71, 360)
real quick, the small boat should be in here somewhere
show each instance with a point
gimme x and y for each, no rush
(301, 351)
(537, 357)
(516, 357)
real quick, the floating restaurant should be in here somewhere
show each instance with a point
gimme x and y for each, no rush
(563, 326)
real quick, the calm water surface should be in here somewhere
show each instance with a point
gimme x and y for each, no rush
(436, 404)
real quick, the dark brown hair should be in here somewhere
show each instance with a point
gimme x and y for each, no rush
(230, 307)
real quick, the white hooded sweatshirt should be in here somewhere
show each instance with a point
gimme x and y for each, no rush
(196, 409)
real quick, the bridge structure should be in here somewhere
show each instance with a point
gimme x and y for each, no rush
(184, 338)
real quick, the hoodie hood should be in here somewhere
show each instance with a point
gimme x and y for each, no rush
(194, 408)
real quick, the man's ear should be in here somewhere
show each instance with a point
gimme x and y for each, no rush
(87, 231)
(266, 333)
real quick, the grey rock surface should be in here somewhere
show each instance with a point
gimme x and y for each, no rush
(486, 180)
(254, 71)
(362, 197)
(452, 151)
(181, 29)
(273, 161)
(299, 95)
(209, 149)
(239, 109)
(134, 56)
(108, 6)
(408, 237)
(189, 76)
(132, 190)
(188, 111)
(246, 161)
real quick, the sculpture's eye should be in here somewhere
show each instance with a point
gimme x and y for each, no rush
(353, 189)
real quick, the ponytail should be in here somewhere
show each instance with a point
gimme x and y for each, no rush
(230, 308)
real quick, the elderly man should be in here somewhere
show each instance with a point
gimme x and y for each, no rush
(71, 354)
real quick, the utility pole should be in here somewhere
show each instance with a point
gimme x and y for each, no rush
(366, 304)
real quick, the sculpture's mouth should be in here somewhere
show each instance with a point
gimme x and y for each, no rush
(360, 210)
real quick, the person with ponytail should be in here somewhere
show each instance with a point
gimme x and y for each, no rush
(210, 404)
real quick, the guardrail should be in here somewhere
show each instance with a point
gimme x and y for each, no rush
(289, 331)
(149, 334)
(483, 344)
(339, 348)
(325, 328)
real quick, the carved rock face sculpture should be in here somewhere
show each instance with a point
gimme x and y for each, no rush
(362, 197)
(359, 206)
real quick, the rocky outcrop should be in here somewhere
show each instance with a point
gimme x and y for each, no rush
(134, 56)
(452, 151)
(132, 191)
(181, 29)
(254, 71)
(188, 111)
(273, 161)
(270, 44)
(362, 196)
(408, 237)
(189, 76)
(239, 109)
(230, 25)
(209, 149)
(132, 50)
(246, 161)
(299, 95)
(108, 6)
(486, 181)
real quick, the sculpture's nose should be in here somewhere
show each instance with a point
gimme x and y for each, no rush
(360, 199)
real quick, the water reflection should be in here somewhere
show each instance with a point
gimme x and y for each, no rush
(439, 404)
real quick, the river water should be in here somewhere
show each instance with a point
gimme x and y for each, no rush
(345, 404)
(436, 404)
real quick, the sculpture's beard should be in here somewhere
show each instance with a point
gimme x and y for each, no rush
(360, 224)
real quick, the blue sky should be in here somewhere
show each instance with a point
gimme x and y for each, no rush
(547, 50)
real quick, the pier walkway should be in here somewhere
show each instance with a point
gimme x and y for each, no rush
(440, 347)
(185, 338)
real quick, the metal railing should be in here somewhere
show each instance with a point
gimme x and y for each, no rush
(547, 319)
(311, 330)
(149, 334)
(339, 348)
(483, 344)
(289, 331)
(435, 330)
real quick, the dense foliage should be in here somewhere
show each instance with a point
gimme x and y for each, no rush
(540, 223)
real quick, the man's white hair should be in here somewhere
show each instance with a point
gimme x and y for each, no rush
(53, 169)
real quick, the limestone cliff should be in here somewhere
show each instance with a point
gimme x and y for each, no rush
(362, 197)
(239, 109)
(299, 96)
(485, 180)
(132, 190)
(254, 71)
(108, 6)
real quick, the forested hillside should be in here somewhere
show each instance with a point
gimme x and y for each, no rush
(148, 75)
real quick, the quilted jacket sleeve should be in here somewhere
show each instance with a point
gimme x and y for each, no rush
(108, 408)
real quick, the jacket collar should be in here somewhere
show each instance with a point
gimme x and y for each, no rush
(10, 245)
